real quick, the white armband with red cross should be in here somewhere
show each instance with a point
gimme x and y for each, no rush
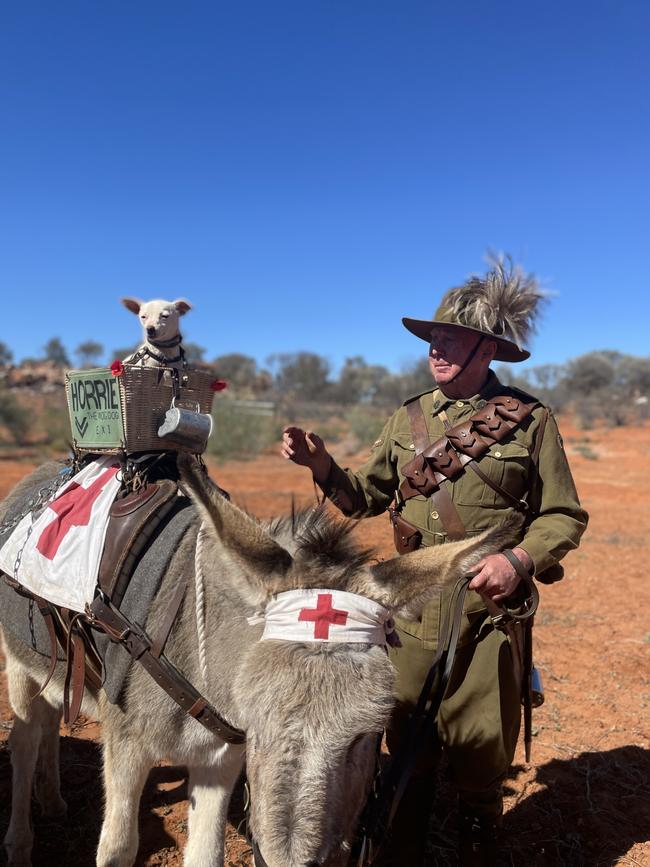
(325, 615)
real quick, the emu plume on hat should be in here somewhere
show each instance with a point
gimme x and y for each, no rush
(502, 305)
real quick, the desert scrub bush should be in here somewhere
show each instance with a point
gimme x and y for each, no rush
(56, 422)
(365, 424)
(242, 429)
(14, 417)
(584, 449)
(332, 431)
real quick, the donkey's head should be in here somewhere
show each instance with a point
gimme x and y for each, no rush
(313, 709)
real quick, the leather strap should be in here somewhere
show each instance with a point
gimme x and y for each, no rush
(46, 611)
(75, 672)
(160, 640)
(440, 499)
(447, 457)
(418, 424)
(110, 620)
(520, 505)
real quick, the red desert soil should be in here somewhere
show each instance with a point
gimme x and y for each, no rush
(585, 798)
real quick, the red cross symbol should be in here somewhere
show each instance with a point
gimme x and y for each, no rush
(324, 616)
(72, 509)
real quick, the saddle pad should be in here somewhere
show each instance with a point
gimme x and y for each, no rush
(142, 588)
(28, 626)
(56, 554)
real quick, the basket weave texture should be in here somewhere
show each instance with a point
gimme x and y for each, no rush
(147, 393)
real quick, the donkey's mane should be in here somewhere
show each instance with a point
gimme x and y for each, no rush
(322, 539)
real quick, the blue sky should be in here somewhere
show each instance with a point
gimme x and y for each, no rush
(308, 172)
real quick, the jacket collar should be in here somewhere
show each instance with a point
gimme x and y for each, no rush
(492, 387)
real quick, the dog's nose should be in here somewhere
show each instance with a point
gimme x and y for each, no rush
(151, 331)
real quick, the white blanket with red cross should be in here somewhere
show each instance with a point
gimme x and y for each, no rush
(56, 555)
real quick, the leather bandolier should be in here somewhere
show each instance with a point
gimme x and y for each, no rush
(448, 457)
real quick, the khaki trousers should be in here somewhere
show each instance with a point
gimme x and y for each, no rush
(478, 721)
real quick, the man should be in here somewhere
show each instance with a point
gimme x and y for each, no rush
(514, 461)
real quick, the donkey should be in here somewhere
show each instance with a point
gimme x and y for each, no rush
(311, 711)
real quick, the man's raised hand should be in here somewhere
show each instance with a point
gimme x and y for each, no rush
(307, 449)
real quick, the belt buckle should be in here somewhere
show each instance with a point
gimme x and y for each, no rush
(501, 620)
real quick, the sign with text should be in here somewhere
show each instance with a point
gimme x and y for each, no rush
(95, 406)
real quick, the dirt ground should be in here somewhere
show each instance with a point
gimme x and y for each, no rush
(585, 798)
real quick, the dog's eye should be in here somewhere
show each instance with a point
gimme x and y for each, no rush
(165, 314)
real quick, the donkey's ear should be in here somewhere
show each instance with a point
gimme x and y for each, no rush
(132, 304)
(182, 306)
(261, 559)
(406, 584)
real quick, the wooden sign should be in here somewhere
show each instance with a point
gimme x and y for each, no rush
(95, 406)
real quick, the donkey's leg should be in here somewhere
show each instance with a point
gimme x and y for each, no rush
(126, 765)
(210, 788)
(47, 784)
(23, 743)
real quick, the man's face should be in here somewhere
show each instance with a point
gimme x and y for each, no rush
(449, 350)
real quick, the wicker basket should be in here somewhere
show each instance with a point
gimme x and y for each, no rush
(114, 414)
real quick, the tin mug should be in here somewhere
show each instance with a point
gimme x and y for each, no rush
(186, 428)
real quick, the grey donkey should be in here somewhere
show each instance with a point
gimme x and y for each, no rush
(161, 332)
(311, 710)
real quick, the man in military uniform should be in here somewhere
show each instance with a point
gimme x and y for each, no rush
(524, 469)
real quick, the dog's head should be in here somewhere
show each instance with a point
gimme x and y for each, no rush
(159, 318)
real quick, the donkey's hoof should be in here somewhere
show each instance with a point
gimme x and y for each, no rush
(18, 856)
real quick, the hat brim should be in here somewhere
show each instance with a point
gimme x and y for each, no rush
(506, 349)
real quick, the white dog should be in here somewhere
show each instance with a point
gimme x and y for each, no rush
(162, 337)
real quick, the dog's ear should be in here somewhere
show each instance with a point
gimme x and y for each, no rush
(182, 306)
(132, 304)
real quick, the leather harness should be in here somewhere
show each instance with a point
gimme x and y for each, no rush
(134, 519)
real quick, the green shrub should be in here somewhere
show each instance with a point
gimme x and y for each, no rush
(14, 417)
(241, 431)
(57, 427)
(365, 424)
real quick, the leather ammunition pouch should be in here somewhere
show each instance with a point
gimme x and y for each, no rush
(406, 536)
(447, 457)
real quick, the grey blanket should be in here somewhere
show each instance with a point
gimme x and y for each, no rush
(24, 621)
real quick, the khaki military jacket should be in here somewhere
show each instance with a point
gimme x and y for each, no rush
(557, 521)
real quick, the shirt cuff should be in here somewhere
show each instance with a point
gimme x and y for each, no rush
(334, 488)
(540, 556)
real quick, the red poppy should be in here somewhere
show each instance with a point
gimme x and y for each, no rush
(117, 368)
(218, 384)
